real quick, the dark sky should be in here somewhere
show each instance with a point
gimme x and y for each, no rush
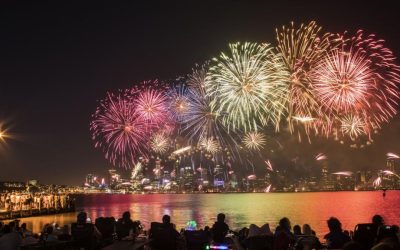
(57, 59)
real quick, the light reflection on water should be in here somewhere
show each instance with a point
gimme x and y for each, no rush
(241, 209)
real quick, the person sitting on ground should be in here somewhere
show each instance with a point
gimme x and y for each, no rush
(64, 236)
(82, 232)
(49, 235)
(24, 231)
(164, 235)
(126, 227)
(10, 240)
(307, 240)
(335, 238)
(283, 237)
(353, 245)
(1, 228)
(220, 229)
(255, 230)
(377, 222)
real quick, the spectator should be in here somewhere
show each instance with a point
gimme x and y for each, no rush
(11, 239)
(64, 236)
(164, 234)
(49, 235)
(24, 231)
(335, 238)
(283, 237)
(82, 232)
(307, 240)
(220, 229)
(297, 230)
(126, 227)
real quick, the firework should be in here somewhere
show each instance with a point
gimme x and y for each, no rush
(344, 173)
(210, 145)
(268, 188)
(356, 85)
(202, 120)
(392, 156)
(151, 106)
(353, 126)
(254, 140)
(119, 130)
(388, 172)
(248, 86)
(377, 182)
(343, 81)
(136, 170)
(320, 157)
(182, 150)
(269, 165)
(301, 49)
(178, 102)
(252, 177)
(159, 143)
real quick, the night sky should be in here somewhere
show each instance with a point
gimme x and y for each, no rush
(57, 59)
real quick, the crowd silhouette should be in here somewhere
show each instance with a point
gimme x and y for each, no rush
(16, 201)
(106, 231)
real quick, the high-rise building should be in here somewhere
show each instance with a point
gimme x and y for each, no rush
(115, 178)
(393, 165)
(89, 179)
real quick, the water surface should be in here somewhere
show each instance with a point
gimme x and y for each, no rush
(240, 209)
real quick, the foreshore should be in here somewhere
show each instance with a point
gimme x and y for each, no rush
(10, 215)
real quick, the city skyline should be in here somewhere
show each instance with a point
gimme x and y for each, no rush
(48, 107)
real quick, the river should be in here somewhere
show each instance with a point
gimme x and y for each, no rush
(241, 209)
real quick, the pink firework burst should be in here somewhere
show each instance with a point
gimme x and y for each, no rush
(360, 79)
(344, 80)
(119, 130)
(151, 103)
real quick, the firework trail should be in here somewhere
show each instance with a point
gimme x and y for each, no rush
(269, 166)
(268, 188)
(320, 157)
(392, 156)
(344, 173)
(377, 182)
(248, 86)
(301, 49)
(119, 130)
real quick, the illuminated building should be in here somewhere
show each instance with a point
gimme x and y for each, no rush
(89, 179)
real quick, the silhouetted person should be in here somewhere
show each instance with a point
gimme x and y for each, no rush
(296, 230)
(220, 229)
(126, 225)
(164, 234)
(283, 237)
(24, 231)
(307, 240)
(64, 236)
(10, 240)
(353, 245)
(335, 238)
(82, 232)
